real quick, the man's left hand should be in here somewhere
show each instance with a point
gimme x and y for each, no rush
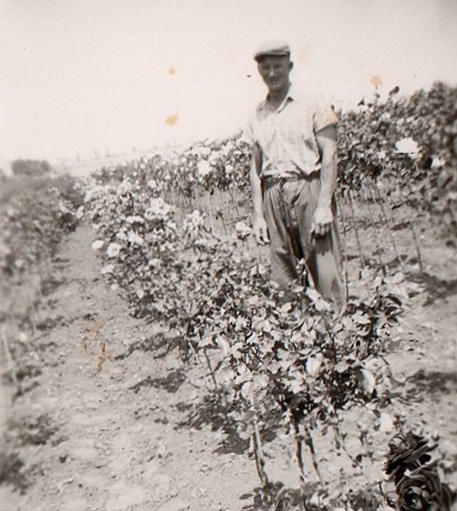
(323, 220)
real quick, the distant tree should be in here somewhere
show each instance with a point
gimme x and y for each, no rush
(30, 168)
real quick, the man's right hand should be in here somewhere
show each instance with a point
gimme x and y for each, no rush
(260, 230)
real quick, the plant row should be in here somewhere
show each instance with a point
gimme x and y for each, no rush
(36, 214)
(407, 145)
(296, 366)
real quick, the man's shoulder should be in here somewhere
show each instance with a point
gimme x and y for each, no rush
(257, 112)
(252, 121)
(306, 98)
(316, 106)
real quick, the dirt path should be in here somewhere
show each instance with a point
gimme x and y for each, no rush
(110, 440)
(102, 423)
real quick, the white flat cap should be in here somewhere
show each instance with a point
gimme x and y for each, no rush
(275, 48)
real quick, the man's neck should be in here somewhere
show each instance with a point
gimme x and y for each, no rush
(276, 98)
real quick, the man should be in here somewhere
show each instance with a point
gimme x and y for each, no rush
(293, 179)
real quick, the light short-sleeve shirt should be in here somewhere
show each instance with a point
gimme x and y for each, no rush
(287, 136)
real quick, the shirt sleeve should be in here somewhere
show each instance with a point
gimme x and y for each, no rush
(324, 116)
(248, 131)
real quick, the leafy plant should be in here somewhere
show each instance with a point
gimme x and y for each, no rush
(298, 365)
(295, 366)
(415, 474)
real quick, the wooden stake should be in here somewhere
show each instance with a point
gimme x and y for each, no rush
(378, 234)
(380, 201)
(258, 450)
(11, 362)
(210, 209)
(413, 230)
(299, 453)
(345, 256)
(356, 231)
(310, 443)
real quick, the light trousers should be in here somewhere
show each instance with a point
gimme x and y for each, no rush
(289, 207)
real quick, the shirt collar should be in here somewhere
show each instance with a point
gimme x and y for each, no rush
(290, 96)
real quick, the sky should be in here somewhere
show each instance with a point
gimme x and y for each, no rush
(93, 77)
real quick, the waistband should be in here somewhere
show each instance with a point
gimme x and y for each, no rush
(269, 181)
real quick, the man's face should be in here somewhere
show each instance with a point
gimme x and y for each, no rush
(275, 71)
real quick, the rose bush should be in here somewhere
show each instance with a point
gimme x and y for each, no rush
(410, 466)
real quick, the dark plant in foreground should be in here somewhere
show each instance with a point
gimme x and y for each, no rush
(415, 474)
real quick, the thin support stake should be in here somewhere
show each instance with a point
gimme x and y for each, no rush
(310, 443)
(235, 203)
(258, 450)
(413, 232)
(299, 453)
(345, 245)
(378, 235)
(211, 370)
(9, 356)
(210, 209)
(356, 231)
(381, 200)
(357, 237)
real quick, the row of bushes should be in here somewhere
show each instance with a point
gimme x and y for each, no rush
(408, 145)
(36, 212)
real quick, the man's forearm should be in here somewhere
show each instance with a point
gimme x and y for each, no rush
(326, 141)
(328, 178)
(256, 185)
(259, 226)
(256, 191)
